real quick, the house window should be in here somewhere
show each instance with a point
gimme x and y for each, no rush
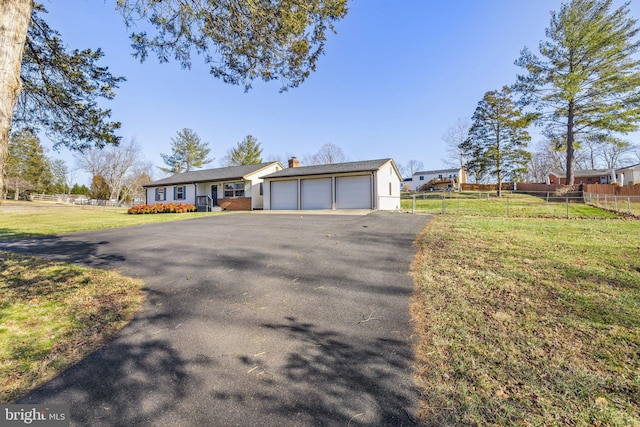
(161, 194)
(421, 178)
(180, 192)
(234, 189)
(261, 189)
(390, 189)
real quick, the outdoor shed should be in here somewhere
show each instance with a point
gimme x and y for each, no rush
(229, 188)
(370, 184)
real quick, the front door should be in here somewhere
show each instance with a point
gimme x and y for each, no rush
(214, 194)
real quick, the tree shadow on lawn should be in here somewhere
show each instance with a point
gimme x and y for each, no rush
(62, 249)
(11, 234)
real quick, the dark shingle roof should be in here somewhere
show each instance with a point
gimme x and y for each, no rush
(629, 167)
(207, 175)
(583, 172)
(591, 172)
(363, 166)
(437, 171)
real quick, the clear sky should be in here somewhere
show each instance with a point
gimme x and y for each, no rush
(396, 75)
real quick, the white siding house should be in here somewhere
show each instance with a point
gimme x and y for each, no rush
(372, 184)
(439, 179)
(629, 175)
(231, 188)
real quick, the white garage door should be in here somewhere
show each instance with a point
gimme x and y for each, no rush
(316, 193)
(284, 195)
(353, 192)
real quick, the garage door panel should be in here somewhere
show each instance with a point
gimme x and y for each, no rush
(284, 195)
(316, 193)
(353, 192)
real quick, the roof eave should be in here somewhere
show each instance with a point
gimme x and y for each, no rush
(321, 173)
(197, 181)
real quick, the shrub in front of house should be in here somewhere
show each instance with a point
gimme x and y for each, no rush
(162, 208)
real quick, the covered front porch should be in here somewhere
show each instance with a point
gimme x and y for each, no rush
(218, 196)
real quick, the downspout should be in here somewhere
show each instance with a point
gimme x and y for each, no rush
(374, 190)
(333, 193)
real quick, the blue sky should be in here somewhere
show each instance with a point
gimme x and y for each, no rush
(391, 82)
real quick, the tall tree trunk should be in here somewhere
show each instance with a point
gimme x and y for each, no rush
(499, 163)
(570, 150)
(15, 16)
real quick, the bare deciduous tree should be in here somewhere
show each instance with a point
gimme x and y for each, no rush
(328, 154)
(141, 174)
(408, 169)
(113, 164)
(615, 152)
(453, 138)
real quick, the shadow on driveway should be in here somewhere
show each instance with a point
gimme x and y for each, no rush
(275, 320)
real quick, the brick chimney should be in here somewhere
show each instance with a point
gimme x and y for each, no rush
(294, 163)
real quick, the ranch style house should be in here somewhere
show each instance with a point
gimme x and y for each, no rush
(370, 184)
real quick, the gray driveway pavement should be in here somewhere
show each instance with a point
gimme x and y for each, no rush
(250, 319)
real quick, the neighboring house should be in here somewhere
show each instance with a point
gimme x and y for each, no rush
(405, 185)
(439, 179)
(230, 188)
(630, 174)
(371, 184)
(627, 175)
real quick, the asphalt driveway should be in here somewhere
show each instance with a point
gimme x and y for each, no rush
(250, 319)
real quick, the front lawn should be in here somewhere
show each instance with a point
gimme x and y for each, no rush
(53, 315)
(23, 219)
(528, 321)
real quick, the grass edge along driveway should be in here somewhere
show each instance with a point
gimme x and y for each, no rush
(53, 315)
(528, 322)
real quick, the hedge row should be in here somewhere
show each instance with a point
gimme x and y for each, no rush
(162, 208)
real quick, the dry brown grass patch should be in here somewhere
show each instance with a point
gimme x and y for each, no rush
(517, 329)
(53, 315)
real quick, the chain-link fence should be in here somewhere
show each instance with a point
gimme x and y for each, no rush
(613, 202)
(510, 204)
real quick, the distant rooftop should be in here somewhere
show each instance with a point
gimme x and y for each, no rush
(591, 172)
(437, 171)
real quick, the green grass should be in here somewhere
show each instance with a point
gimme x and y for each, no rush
(528, 321)
(52, 315)
(510, 205)
(24, 219)
(626, 204)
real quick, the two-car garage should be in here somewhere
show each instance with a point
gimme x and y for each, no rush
(352, 185)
